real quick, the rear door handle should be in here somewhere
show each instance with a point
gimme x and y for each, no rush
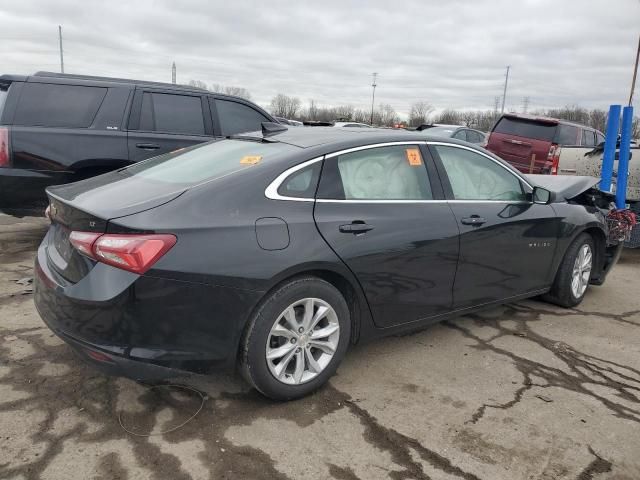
(473, 220)
(568, 170)
(148, 146)
(355, 228)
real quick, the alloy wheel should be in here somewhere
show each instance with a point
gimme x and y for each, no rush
(581, 271)
(302, 341)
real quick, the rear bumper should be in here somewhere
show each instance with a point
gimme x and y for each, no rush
(147, 328)
(21, 188)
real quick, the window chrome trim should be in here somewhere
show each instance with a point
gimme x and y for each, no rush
(375, 145)
(505, 202)
(463, 147)
(271, 191)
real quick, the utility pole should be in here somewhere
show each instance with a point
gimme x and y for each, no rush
(496, 103)
(525, 104)
(504, 94)
(173, 73)
(635, 74)
(61, 55)
(373, 95)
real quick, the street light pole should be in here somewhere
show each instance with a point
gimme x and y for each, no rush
(373, 95)
(504, 94)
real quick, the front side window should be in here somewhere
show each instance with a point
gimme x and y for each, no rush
(236, 117)
(461, 135)
(382, 173)
(475, 177)
(166, 112)
(53, 105)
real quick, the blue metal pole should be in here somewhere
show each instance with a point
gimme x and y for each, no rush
(623, 162)
(610, 140)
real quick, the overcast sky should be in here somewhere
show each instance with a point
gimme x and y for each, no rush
(452, 54)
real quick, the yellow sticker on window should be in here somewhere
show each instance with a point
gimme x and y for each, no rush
(413, 156)
(250, 159)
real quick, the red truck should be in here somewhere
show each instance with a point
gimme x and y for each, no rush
(531, 144)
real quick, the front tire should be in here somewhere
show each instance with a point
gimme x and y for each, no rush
(574, 274)
(296, 340)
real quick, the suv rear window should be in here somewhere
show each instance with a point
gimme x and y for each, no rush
(567, 135)
(203, 162)
(166, 112)
(52, 105)
(521, 127)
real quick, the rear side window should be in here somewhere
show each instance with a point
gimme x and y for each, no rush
(474, 137)
(382, 173)
(567, 135)
(237, 117)
(588, 139)
(301, 184)
(51, 105)
(526, 128)
(599, 138)
(166, 112)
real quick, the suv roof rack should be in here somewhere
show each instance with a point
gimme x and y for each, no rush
(112, 79)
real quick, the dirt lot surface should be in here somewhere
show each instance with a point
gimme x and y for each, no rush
(519, 392)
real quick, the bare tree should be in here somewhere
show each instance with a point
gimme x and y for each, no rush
(238, 92)
(419, 113)
(198, 84)
(285, 106)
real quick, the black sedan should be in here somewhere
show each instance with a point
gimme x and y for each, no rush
(275, 251)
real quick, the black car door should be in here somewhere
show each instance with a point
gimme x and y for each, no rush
(164, 120)
(381, 209)
(507, 242)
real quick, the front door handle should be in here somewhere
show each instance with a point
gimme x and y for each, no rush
(473, 220)
(355, 228)
(148, 146)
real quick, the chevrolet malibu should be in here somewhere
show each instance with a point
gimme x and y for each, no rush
(276, 250)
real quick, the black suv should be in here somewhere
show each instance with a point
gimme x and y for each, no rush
(57, 128)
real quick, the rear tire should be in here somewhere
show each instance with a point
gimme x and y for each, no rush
(296, 340)
(573, 277)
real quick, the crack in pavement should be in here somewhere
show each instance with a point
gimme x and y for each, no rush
(585, 369)
(598, 465)
(400, 446)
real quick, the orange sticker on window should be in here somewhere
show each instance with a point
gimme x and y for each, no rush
(413, 156)
(251, 159)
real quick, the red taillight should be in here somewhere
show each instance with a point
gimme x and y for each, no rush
(4, 147)
(554, 157)
(83, 242)
(135, 253)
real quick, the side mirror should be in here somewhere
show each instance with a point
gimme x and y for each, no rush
(541, 196)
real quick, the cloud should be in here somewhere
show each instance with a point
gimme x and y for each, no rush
(452, 54)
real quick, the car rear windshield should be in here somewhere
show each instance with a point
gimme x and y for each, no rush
(193, 165)
(522, 127)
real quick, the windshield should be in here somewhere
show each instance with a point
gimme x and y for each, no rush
(208, 161)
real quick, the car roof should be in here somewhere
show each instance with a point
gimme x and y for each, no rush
(541, 118)
(347, 137)
(90, 80)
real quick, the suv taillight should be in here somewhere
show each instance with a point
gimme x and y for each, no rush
(135, 253)
(554, 157)
(4, 147)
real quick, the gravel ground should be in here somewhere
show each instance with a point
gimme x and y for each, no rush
(524, 391)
